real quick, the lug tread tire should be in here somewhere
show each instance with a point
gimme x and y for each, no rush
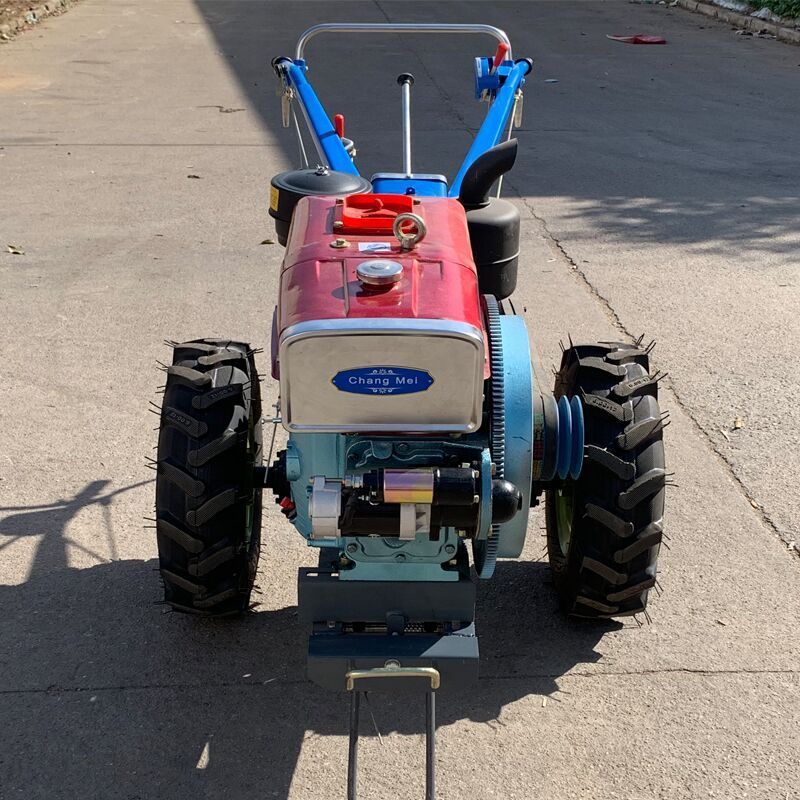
(649, 537)
(603, 365)
(615, 524)
(209, 561)
(210, 509)
(176, 418)
(179, 582)
(635, 435)
(169, 531)
(208, 399)
(202, 455)
(189, 376)
(618, 501)
(208, 512)
(602, 609)
(181, 479)
(618, 412)
(604, 571)
(604, 458)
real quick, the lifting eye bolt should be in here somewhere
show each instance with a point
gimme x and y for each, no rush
(410, 229)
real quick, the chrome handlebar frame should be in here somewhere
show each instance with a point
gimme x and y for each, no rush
(399, 27)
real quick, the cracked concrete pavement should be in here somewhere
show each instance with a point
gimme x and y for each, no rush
(659, 194)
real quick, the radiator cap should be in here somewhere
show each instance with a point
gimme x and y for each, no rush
(379, 272)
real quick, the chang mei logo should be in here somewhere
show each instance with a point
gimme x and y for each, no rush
(382, 380)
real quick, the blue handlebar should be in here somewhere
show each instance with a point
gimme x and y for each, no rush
(325, 137)
(332, 151)
(495, 123)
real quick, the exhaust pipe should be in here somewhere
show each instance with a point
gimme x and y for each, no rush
(484, 171)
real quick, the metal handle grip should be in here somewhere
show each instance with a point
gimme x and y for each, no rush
(393, 671)
(399, 27)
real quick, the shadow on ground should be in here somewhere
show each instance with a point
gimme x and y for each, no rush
(50, 522)
(155, 704)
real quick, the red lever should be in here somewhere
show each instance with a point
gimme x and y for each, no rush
(338, 125)
(499, 56)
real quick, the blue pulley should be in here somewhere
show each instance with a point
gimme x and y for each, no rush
(578, 431)
(564, 437)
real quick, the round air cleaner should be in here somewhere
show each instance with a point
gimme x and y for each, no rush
(287, 188)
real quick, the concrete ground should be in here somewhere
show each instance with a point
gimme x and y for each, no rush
(659, 188)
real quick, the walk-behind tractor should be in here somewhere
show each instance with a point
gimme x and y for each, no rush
(417, 441)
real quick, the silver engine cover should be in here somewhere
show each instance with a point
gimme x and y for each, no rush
(381, 375)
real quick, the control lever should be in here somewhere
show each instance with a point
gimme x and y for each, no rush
(406, 81)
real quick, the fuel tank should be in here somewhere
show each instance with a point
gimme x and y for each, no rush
(371, 337)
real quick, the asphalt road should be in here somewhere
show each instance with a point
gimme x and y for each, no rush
(659, 190)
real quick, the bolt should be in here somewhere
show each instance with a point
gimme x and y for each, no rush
(402, 447)
(382, 450)
(400, 557)
(449, 549)
(340, 244)
(352, 547)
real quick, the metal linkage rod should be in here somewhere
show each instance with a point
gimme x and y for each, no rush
(352, 753)
(406, 81)
(430, 746)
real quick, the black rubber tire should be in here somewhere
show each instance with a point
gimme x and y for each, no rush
(208, 512)
(618, 501)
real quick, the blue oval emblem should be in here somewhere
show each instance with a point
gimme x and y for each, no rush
(382, 380)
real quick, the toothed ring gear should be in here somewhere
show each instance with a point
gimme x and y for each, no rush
(484, 551)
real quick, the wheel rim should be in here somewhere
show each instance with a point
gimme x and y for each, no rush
(255, 459)
(564, 509)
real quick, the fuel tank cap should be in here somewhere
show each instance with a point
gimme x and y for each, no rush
(379, 272)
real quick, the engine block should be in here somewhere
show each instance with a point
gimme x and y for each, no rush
(371, 337)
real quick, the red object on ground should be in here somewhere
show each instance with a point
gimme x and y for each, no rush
(338, 125)
(638, 38)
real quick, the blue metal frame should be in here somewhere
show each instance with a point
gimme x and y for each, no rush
(418, 185)
(330, 147)
(319, 123)
(489, 79)
(495, 123)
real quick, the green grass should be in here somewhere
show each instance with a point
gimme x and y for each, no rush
(784, 8)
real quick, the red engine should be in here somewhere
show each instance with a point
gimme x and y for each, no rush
(375, 331)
